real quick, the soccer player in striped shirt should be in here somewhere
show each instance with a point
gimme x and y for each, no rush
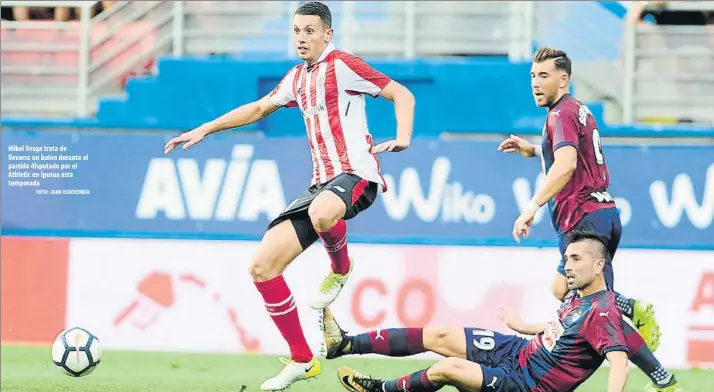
(330, 89)
(576, 191)
(561, 356)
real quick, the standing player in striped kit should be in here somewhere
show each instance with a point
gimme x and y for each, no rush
(329, 88)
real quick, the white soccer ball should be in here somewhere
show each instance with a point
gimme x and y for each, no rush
(76, 352)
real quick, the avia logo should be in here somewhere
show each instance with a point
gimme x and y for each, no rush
(241, 188)
(156, 295)
(444, 199)
(684, 199)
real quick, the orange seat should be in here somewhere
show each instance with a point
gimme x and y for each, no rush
(25, 59)
(36, 35)
(140, 37)
(74, 33)
(66, 59)
(137, 39)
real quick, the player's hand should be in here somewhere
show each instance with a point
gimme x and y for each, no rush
(517, 144)
(522, 225)
(510, 318)
(189, 138)
(391, 146)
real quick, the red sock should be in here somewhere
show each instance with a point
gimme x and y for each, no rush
(281, 307)
(335, 241)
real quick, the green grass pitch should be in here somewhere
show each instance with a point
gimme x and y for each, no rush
(30, 369)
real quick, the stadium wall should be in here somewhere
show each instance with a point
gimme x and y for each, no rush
(166, 294)
(145, 249)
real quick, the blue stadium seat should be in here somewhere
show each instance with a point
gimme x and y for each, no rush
(453, 96)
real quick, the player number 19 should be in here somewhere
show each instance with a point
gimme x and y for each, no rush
(597, 146)
(483, 339)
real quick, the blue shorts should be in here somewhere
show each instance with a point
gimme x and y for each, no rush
(605, 224)
(498, 356)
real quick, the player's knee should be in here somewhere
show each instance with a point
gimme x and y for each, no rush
(261, 270)
(325, 211)
(559, 289)
(279, 247)
(265, 266)
(445, 371)
(437, 338)
(559, 286)
(322, 223)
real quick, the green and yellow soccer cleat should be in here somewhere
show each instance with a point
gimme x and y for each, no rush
(644, 320)
(330, 288)
(672, 386)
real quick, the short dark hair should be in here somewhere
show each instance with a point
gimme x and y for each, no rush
(318, 9)
(581, 235)
(562, 61)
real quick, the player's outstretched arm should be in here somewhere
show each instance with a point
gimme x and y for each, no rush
(566, 160)
(564, 130)
(243, 115)
(565, 135)
(514, 322)
(530, 329)
(619, 370)
(404, 103)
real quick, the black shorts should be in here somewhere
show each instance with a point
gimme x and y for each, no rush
(357, 193)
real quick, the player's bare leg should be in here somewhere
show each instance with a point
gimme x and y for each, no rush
(638, 348)
(456, 372)
(393, 342)
(559, 287)
(326, 213)
(279, 247)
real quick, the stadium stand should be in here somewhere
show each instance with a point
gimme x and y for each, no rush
(82, 67)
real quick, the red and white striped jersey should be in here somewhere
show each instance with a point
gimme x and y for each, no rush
(330, 94)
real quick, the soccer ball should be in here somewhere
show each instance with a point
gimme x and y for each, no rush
(76, 352)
